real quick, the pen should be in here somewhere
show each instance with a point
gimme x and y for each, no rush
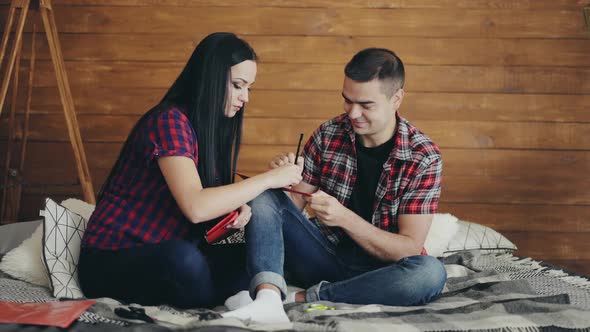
(298, 146)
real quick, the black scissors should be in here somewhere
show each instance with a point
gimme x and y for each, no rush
(134, 313)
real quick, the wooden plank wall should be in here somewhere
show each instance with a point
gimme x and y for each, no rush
(503, 86)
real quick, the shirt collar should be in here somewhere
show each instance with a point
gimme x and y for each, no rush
(402, 149)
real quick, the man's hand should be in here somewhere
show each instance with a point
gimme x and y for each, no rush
(328, 208)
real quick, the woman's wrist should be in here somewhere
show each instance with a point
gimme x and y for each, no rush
(265, 180)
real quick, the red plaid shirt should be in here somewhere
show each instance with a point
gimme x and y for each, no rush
(138, 206)
(409, 184)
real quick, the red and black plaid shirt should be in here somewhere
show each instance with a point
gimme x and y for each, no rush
(138, 206)
(409, 184)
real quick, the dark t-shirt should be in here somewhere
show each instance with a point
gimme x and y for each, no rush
(369, 168)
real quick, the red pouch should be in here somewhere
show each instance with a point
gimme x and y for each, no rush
(60, 314)
(219, 231)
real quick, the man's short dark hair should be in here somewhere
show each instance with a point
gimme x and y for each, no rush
(380, 63)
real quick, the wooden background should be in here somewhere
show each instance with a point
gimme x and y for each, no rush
(503, 86)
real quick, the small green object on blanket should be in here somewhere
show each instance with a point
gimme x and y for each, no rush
(314, 307)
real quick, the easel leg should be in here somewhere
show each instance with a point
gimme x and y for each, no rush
(6, 33)
(8, 211)
(25, 131)
(67, 101)
(11, 177)
(17, 41)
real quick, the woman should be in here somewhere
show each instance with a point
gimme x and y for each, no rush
(144, 242)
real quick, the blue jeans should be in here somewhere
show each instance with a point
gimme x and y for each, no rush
(172, 272)
(282, 241)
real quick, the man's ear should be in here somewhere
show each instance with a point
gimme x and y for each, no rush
(398, 97)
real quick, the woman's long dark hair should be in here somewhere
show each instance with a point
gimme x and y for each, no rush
(201, 89)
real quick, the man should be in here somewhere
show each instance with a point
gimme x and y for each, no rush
(376, 182)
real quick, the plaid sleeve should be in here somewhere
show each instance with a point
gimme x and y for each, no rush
(312, 155)
(424, 189)
(170, 135)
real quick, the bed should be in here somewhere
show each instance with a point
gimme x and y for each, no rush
(488, 289)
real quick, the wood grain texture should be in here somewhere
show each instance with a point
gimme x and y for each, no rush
(545, 218)
(313, 77)
(287, 104)
(434, 4)
(274, 131)
(479, 189)
(329, 49)
(549, 246)
(475, 23)
(512, 165)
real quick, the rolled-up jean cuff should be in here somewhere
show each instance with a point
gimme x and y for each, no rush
(268, 278)
(312, 294)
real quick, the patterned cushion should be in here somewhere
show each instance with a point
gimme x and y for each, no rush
(62, 236)
(472, 236)
(235, 238)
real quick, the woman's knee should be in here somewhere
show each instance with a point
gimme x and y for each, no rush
(181, 259)
(189, 276)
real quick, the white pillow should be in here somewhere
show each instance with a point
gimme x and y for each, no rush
(448, 235)
(473, 236)
(79, 207)
(443, 229)
(62, 237)
(25, 262)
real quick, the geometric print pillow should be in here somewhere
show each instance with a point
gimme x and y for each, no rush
(62, 237)
(473, 236)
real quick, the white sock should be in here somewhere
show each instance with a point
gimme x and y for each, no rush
(266, 309)
(238, 300)
(290, 298)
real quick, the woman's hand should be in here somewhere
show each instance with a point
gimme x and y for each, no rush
(284, 176)
(243, 217)
(284, 159)
(285, 171)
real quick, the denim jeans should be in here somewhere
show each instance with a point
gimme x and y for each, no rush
(173, 272)
(282, 241)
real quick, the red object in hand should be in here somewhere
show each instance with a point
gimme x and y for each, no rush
(60, 314)
(284, 188)
(220, 231)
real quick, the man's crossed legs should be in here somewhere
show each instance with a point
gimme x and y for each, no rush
(281, 240)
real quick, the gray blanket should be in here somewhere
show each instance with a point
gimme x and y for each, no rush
(485, 293)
